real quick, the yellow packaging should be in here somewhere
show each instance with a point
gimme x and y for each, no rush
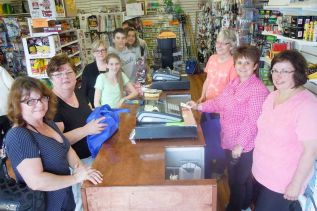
(306, 31)
(312, 76)
(311, 31)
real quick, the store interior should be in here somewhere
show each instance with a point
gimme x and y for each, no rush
(34, 31)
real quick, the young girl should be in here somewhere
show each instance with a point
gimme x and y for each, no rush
(110, 86)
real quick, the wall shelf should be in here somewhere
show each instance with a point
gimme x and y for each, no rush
(300, 42)
(302, 8)
(69, 43)
(74, 54)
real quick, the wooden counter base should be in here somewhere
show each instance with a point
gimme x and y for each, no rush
(192, 197)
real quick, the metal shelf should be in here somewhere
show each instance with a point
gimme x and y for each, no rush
(300, 42)
(303, 8)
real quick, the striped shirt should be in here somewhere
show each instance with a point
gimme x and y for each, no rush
(23, 143)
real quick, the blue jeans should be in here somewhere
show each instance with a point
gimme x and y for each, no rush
(210, 124)
(240, 180)
(76, 188)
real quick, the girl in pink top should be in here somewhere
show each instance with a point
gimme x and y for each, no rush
(286, 143)
(239, 106)
(220, 71)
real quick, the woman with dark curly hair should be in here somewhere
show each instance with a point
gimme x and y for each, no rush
(286, 143)
(39, 152)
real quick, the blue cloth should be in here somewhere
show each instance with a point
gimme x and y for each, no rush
(22, 143)
(112, 120)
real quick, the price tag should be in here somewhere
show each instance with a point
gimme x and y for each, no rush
(39, 22)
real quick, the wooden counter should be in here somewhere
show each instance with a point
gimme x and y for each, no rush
(134, 174)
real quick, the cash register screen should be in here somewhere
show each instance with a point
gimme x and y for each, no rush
(157, 111)
(163, 107)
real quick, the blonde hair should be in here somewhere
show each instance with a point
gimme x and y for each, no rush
(119, 73)
(228, 35)
(97, 43)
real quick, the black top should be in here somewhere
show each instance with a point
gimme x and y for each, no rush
(23, 143)
(74, 118)
(89, 77)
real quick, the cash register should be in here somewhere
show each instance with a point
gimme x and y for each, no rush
(168, 79)
(161, 119)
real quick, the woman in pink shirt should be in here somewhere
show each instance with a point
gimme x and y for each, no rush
(220, 71)
(239, 106)
(286, 143)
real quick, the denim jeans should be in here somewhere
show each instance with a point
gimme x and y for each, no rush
(76, 188)
(210, 124)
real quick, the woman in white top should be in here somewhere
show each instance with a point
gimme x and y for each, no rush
(5, 85)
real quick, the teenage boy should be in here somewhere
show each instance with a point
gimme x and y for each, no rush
(128, 57)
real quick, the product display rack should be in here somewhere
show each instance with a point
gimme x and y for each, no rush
(12, 28)
(51, 38)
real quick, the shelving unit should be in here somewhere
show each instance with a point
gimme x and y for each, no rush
(299, 8)
(41, 45)
(299, 42)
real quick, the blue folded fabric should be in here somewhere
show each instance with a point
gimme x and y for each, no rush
(112, 120)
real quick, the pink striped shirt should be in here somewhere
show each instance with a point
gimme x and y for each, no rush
(239, 106)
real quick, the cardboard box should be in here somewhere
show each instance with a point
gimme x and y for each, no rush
(70, 7)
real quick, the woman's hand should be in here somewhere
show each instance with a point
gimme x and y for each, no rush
(121, 101)
(236, 151)
(192, 104)
(201, 99)
(83, 173)
(95, 126)
(292, 191)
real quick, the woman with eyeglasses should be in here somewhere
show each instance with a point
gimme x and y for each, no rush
(286, 143)
(220, 71)
(239, 106)
(92, 70)
(72, 111)
(41, 156)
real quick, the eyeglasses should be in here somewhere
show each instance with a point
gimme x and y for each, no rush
(222, 43)
(60, 75)
(282, 72)
(100, 51)
(33, 102)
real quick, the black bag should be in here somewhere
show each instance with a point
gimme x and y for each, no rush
(15, 196)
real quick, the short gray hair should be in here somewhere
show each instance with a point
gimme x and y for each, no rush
(228, 35)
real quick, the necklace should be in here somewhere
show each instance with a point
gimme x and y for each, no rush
(33, 127)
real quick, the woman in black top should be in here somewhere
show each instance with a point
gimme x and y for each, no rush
(39, 153)
(72, 112)
(92, 70)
